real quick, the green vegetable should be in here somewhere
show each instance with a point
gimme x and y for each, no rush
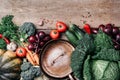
(8, 28)
(27, 29)
(25, 65)
(77, 60)
(77, 31)
(95, 58)
(78, 56)
(102, 40)
(86, 44)
(107, 54)
(27, 75)
(35, 71)
(87, 69)
(28, 71)
(71, 37)
(2, 44)
(105, 70)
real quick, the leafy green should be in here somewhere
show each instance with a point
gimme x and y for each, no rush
(102, 40)
(86, 44)
(119, 64)
(77, 60)
(8, 28)
(87, 69)
(95, 58)
(105, 70)
(107, 54)
(2, 44)
(98, 68)
(79, 55)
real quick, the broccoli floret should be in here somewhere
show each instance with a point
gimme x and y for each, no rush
(27, 75)
(28, 28)
(35, 71)
(26, 65)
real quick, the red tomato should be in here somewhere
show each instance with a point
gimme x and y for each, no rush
(54, 34)
(61, 26)
(21, 52)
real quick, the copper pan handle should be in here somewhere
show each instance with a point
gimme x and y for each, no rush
(71, 77)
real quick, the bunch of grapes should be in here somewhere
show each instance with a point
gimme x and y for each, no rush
(37, 41)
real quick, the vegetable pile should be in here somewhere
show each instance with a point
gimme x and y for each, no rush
(95, 56)
(20, 42)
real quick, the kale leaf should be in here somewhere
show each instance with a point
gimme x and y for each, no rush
(102, 40)
(87, 69)
(86, 43)
(107, 54)
(78, 56)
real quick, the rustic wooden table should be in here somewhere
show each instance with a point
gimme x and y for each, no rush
(94, 12)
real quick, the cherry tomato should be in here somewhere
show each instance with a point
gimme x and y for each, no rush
(54, 34)
(61, 26)
(21, 52)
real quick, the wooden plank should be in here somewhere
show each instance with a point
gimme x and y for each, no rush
(94, 12)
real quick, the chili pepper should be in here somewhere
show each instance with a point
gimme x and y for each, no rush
(1, 36)
(87, 28)
(6, 40)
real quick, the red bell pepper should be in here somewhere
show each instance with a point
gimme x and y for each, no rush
(87, 28)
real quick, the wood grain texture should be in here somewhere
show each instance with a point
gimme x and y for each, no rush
(94, 12)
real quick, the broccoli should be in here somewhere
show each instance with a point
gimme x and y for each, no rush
(27, 75)
(35, 71)
(29, 72)
(26, 65)
(28, 28)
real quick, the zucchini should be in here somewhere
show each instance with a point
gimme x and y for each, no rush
(71, 37)
(77, 31)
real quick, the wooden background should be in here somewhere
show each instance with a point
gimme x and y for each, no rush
(94, 12)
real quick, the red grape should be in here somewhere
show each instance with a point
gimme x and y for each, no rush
(31, 47)
(94, 30)
(32, 39)
(41, 34)
(117, 47)
(101, 27)
(42, 43)
(115, 30)
(118, 37)
(47, 38)
(108, 29)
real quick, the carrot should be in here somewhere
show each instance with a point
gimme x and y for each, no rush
(30, 59)
(30, 54)
(36, 57)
